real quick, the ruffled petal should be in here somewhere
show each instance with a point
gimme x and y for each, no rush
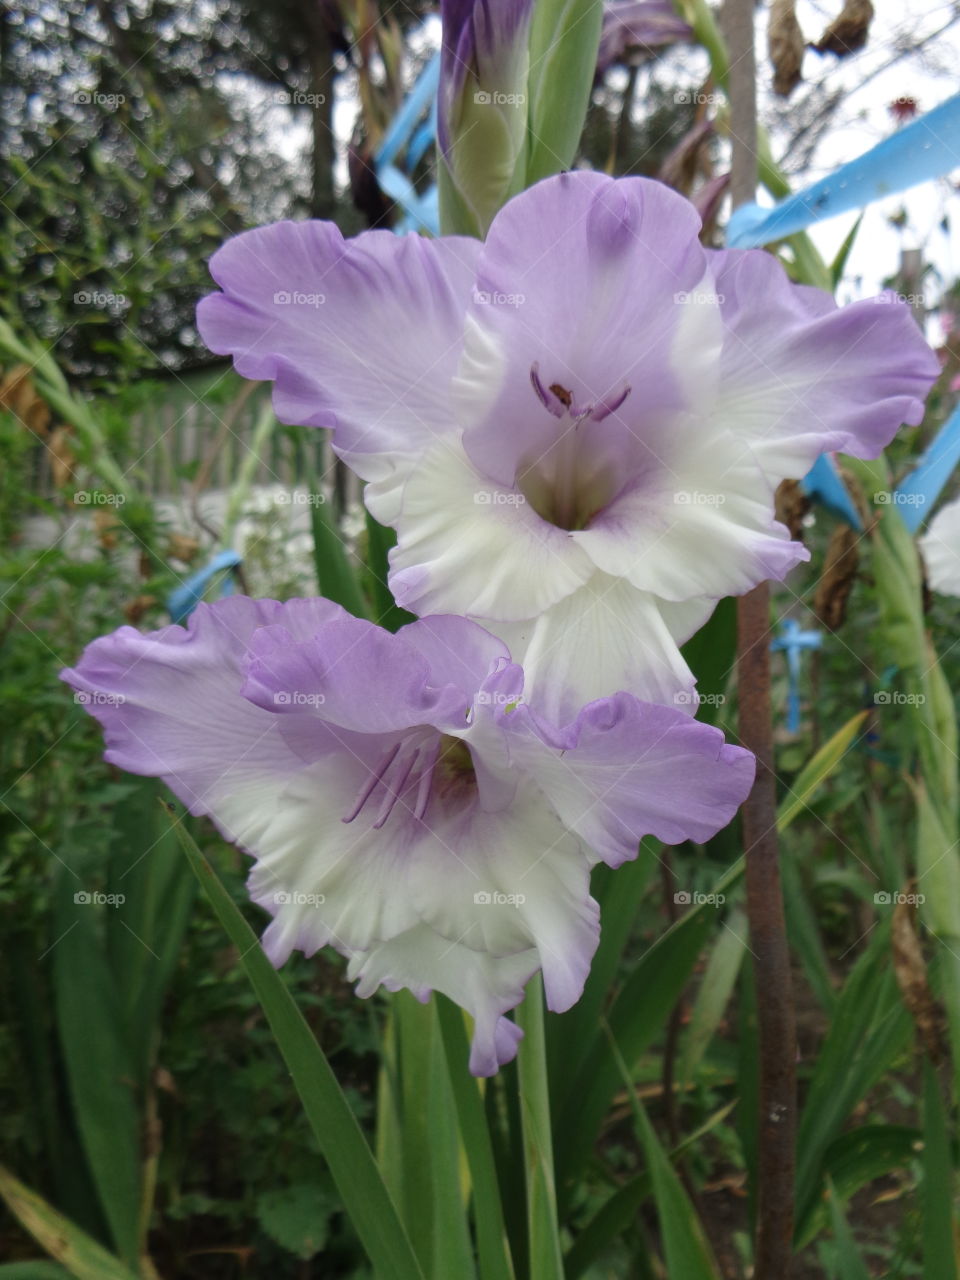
(625, 769)
(801, 376)
(488, 986)
(502, 894)
(701, 525)
(171, 707)
(360, 335)
(466, 545)
(605, 637)
(357, 676)
(595, 283)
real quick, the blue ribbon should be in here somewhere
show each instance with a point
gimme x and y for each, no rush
(421, 212)
(792, 641)
(915, 496)
(822, 483)
(919, 152)
(182, 602)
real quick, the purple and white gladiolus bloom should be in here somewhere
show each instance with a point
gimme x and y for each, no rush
(400, 800)
(576, 427)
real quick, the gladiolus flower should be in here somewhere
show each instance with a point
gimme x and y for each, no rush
(577, 426)
(400, 800)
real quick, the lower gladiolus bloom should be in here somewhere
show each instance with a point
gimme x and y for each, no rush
(400, 800)
(577, 426)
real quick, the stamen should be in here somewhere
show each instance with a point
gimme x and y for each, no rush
(425, 785)
(393, 793)
(549, 402)
(366, 791)
(605, 408)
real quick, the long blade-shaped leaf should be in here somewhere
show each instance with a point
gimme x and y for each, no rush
(546, 1262)
(684, 1241)
(365, 1197)
(939, 1246)
(99, 1065)
(82, 1257)
(495, 1263)
(563, 58)
(817, 769)
(851, 1263)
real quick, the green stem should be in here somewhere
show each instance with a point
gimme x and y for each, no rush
(546, 1261)
(248, 470)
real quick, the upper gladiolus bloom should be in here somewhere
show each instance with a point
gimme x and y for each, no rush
(576, 427)
(482, 99)
(941, 550)
(402, 803)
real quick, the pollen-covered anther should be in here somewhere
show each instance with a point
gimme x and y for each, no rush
(556, 399)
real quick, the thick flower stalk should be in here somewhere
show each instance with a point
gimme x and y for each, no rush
(576, 427)
(482, 102)
(400, 800)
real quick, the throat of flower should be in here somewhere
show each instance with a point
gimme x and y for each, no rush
(411, 772)
(570, 482)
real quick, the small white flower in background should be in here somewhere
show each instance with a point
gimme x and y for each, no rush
(941, 550)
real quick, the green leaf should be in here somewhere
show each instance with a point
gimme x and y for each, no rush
(685, 1245)
(365, 1197)
(546, 1261)
(817, 769)
(82, 1256)
(804, 931)
(571, 1038)
(938, 879)
(335, 577)
(144, 936)
(939, 1246)
(39, 1270)
(636, 1015)
(453, 1253)
(564, 38)
(433, 1207)
(298, 1217)
(851, 1264)
(414, 1027)
(495, 1262)
(101, 1075)
(719, 980)
(870, 1027)
(855, 1159)
(386, 612)
(711, 655)
(838, 265)
(615, 1217)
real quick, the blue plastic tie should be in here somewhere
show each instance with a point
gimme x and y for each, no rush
(182, 601)
(793, 641)
(916, 495)
(822, 483)
(923, 150)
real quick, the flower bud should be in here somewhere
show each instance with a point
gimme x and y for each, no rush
(482, 101)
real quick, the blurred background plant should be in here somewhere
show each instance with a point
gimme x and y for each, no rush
(146, 1105)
